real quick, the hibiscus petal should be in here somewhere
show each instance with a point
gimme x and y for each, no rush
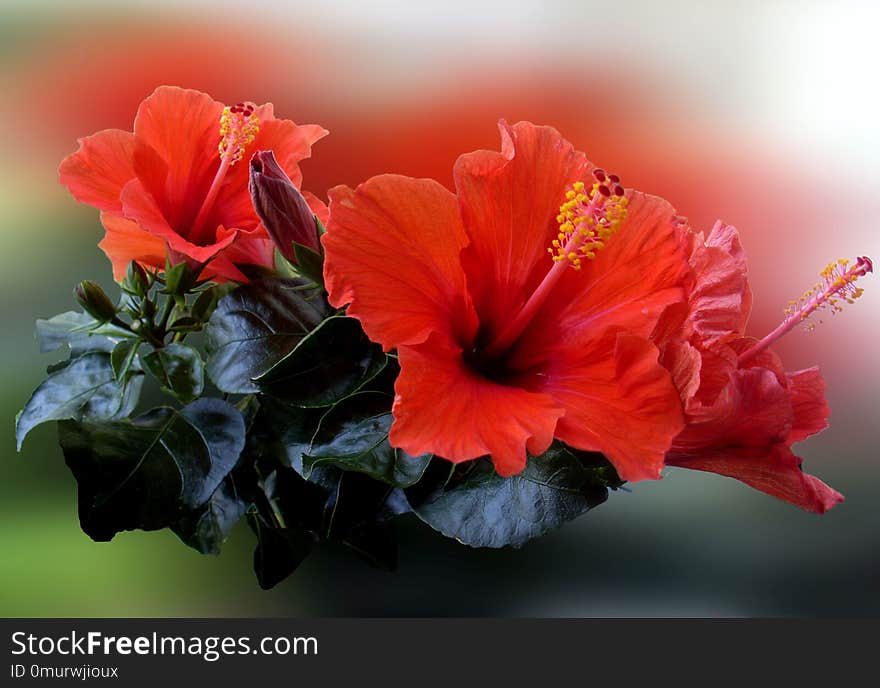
(509, 203)
(102, 165)
(445, 408)
(318, 207)
(393, 248)
(718, 297)
(183, 127)
(753, 410)
(125, 241)
(774, 470)
(630, 284)
(618, 400)
(808, 403)
(726, 238)
(139, 205)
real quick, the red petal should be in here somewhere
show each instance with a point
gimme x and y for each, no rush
(719, 298)
(753, 410)
(183, 128)
(140, 206)
(628, 286)
(509, 203)
(774, 470)
(726, 238)
(393, 250)
(808, 403)
(318, 207)
(445, 408)
(618, 400)
(102, 165)
(126, 241)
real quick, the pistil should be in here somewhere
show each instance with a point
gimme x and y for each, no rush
(587, 219)
(837, 285)
(238, 128)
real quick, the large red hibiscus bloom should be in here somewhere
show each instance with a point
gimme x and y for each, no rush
(503, 348)
(174, 186)
(743, 410)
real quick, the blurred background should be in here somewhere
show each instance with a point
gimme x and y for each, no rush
(761, 113)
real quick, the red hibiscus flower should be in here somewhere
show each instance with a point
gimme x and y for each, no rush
(501, 348)
(175, 186)
(743, 410)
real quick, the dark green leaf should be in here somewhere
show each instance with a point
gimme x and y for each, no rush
(149, 472)
(309, 262)
(123, 357)
(255, 326)
(330, 363)
(76, 331)
(353, 435)
(179, 369)
(82, 388)
(486, 510)
(208, 299)
(185, 324)
(279, 550)
(206, 528)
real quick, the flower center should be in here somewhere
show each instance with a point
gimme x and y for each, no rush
(587, 219)
(238, 128)
(836, 287)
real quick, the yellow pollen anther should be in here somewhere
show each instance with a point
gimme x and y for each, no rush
(587, 219)
(239, 126)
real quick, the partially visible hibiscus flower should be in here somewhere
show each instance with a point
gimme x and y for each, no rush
(743, 410)
(503, 348)
(177, 185)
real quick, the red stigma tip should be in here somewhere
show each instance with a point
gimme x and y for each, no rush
(865, 263)
(613, 178)
(599, 174)
(618, 190)
(604, 190)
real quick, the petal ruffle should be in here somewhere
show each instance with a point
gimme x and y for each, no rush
(445, 408)
(808, 404)
(393, 254)
(102, 165)
(618, 400)
(509, 203)
(774, 470)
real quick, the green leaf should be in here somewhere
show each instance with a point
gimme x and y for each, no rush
(123, 357)
(82, 388)
(179, 369)
(208, 299)
(151, 471)
(76, 330)
(353, 436)
(256, 326)
(206, 528)
(279, 551)
(309, 263)
(327, 365)
(486, 510)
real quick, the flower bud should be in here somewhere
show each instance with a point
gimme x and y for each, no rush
(136, 281)
(94, 301)
(282, 208)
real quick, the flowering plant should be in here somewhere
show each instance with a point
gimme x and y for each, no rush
(406, 350)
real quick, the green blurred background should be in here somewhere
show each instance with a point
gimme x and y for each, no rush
(756, 112)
